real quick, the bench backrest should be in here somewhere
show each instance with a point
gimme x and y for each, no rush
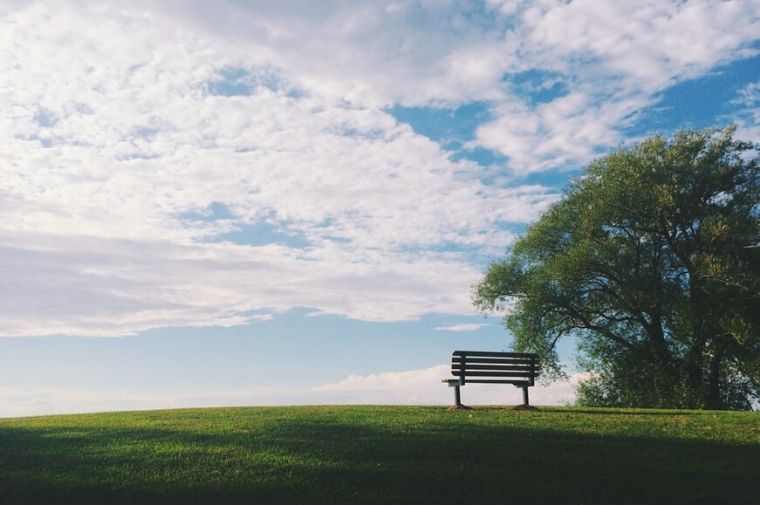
(494, 367)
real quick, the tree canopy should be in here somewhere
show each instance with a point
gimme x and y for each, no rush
(651, 260)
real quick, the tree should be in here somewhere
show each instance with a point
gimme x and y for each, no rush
(651, 260)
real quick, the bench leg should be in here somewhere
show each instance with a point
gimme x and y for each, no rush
(525, 395)
(457, 397)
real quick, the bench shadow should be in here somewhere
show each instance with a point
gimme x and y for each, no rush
(327, 461)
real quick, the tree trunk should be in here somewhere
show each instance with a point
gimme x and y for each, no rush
(694, 376)
(664, 361)
(713, 400)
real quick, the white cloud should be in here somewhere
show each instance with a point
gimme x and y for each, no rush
(747, 114)
(615, 59)
(563, 133)
(22, 402)
(111, 135)
(105, 287)
(425, 387)
(462, 327)
(749, 95)
(109, 147)
(415, 387)
(643, 45)
(364, 52)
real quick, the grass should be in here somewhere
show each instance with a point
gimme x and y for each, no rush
(365, 455)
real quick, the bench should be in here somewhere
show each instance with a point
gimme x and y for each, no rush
(483, 367)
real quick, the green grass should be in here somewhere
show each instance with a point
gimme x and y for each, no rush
(364, 455)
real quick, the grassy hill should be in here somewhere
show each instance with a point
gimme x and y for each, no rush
(364, 455)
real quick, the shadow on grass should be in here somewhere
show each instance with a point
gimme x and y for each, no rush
(326, 460)
(626, 412)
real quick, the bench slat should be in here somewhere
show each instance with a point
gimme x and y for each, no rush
(475, 359)
(492, 374)
(495, 354)
(476, 362)
(499, 381)
(507, 368)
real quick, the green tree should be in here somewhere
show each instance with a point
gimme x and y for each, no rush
(651, 260)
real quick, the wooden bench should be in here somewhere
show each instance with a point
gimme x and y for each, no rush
(483, 367)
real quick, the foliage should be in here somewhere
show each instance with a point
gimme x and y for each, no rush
(379, 455)
(652, 261)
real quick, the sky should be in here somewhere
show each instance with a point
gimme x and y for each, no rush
(241, 202)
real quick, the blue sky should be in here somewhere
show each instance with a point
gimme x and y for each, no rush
(254, 202)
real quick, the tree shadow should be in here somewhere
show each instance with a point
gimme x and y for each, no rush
(625, 412)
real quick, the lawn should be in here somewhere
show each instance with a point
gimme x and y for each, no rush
(371, 454)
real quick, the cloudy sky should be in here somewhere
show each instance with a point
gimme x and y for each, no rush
(239, 202)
